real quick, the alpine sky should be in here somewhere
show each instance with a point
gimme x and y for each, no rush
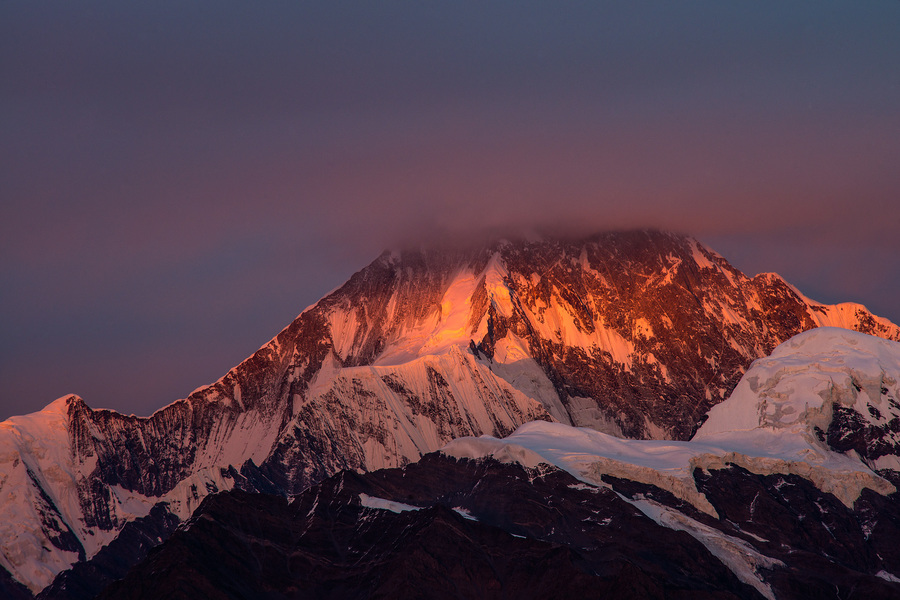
(179, 180)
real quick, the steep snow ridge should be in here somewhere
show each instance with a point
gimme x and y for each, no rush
(846, 315)
(49, 482)
(557, 322)
(446, 326)
(453, 328)
(706, 258)
(344, 325)
(699, 257)
(495, 275)
(513, 363)
(250, 435)
(740, 557)
(37, 481)
(452, 324)
(43, 518)
(587, 455)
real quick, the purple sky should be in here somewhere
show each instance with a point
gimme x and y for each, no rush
(179, 182)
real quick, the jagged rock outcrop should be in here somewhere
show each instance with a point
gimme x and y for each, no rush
(636, 334)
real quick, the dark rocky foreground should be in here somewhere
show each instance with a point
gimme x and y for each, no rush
(490, 530)
(485, 530)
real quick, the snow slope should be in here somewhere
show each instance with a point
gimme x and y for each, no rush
(42, 516)
(797, 389)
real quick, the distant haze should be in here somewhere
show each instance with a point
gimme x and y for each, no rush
(179, 182)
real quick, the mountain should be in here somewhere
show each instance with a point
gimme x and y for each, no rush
(448, 528)
(439, 528)
(759, 504)
(634, 334)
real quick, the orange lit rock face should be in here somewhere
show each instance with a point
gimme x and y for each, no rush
(638, 333)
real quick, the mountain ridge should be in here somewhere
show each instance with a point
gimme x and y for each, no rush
(637, 334)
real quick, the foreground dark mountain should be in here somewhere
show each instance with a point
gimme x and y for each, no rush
(447, 528)
(636, 334)
(462, 529)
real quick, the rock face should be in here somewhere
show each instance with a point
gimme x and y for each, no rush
(637, 334)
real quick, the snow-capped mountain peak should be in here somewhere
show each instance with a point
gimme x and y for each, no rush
(635, 334)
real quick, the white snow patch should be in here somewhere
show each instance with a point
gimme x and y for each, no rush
(753, 535)
(582, 487)
(740, 557)
(464, 513)
(699, 257)
(383, 504)
(887, 576)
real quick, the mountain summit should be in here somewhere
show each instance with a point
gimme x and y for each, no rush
(634, 334)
